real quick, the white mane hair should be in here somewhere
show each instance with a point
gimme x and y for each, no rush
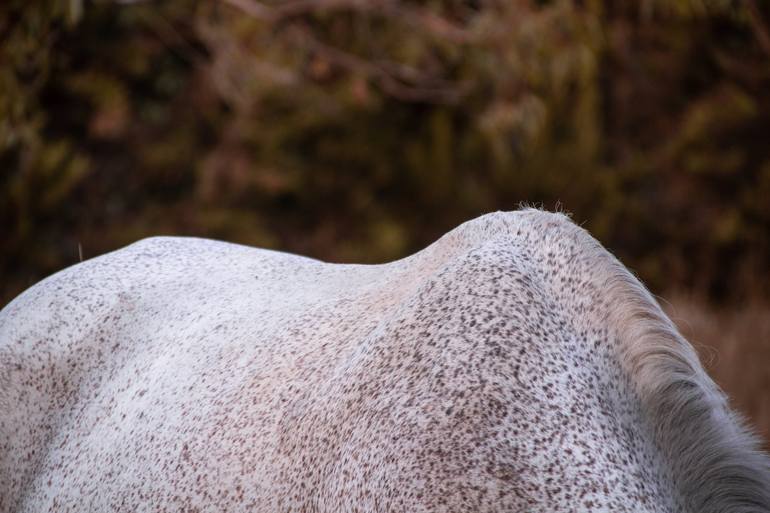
(715, 460)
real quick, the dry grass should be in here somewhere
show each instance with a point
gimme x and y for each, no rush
(734, 345)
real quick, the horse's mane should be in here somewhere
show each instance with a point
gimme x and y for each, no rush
(714, 459)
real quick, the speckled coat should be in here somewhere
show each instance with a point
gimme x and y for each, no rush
(512, 366)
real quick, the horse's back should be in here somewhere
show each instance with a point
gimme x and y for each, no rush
(478, 375)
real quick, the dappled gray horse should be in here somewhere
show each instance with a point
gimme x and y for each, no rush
(512, 366)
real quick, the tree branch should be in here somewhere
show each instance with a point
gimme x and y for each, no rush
(758, 26)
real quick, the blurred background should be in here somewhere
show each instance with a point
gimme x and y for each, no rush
(361, 130)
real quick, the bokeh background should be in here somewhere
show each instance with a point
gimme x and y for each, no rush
(361, 130)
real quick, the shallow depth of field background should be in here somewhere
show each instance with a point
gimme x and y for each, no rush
(361, 130)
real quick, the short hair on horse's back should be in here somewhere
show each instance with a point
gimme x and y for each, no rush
(715, 459)
(513, 365)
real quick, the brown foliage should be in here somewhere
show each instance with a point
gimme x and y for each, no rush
(353, 130)
(734, 345)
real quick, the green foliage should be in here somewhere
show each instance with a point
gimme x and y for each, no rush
(360, 131)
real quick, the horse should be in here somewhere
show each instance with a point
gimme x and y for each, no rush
(514, 365)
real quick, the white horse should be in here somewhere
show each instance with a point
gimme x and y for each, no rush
(512, 366)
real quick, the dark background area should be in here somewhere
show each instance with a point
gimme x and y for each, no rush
(361, 131)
